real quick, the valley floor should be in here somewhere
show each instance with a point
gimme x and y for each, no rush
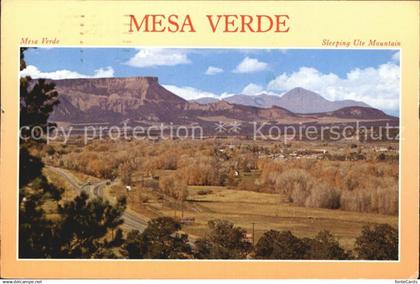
(248, 209)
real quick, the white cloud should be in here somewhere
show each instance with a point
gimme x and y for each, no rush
(306, 77)
(379, 87)
(189, 93)
(396, 57)
(250, 65)
(213, 70)
(35, 73)
(149, 57)
(252, 89)
(226, 95)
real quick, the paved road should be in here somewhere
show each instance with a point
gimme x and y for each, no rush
(131, 219)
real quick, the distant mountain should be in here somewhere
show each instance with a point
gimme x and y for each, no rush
(143, 101)
(225, 111)
(304, 101)
(298, 100)
(360, 113)
(263, 100)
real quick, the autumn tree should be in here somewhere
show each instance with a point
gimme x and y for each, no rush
(125, 172)
(167, 184)
(204, 171)
(181, 193)
(175, 187)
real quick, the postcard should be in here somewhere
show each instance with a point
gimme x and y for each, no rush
(203, 139)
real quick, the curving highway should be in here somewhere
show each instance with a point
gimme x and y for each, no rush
(132, 221)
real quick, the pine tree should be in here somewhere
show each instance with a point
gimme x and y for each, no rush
(83, 227)
(160, 240)
(379, 242)
(35, 230)
(223, 241)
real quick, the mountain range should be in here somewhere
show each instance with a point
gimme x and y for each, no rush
(298, 100)
(143, 101)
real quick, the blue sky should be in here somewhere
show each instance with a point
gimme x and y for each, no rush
(371, 76)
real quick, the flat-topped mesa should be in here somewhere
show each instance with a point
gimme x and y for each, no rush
(137, 88)
(106, 80)
(152, 79)
(146, 79)
(122, 96)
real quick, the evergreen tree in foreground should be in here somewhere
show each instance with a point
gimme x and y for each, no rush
(35, 230)
(379, 242)
(223, 241)
(284, 245)
(161, 239)
(83, 226)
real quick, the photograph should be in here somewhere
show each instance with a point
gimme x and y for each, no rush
(247, 154)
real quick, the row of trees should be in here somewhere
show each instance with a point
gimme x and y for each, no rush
(364, 186)
(163, 239)
(90, 229)
(201, 163)
(353, 186)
